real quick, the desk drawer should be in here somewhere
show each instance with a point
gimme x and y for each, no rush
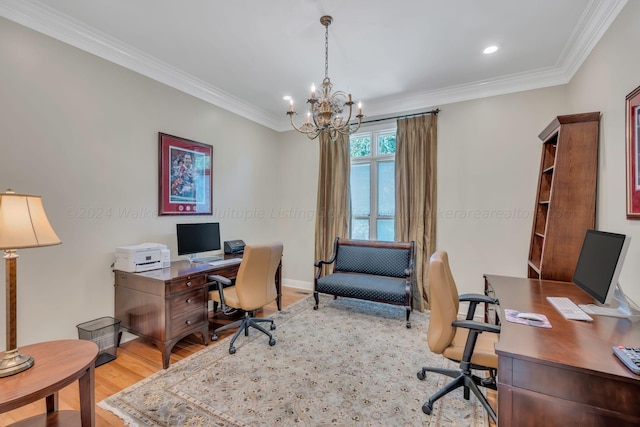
(186, 283)
(184, 303)
(188, 322)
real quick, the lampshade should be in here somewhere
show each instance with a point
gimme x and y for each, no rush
(23, 222)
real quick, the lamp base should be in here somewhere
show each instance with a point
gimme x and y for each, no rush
(13, 362)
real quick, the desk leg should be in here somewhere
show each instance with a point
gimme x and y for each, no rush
(52, 402)
(87, 398)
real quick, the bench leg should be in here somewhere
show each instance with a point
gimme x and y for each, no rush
(408, 314)
(315, 296)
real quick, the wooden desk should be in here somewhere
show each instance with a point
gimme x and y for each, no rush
(168, 304)
(57, 364)
(566, 375)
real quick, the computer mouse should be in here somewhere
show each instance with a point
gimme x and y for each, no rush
(531, 316)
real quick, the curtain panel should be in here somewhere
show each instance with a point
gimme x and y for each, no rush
(416, 210)
(332, 212)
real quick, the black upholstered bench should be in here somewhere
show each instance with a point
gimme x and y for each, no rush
(370, 270)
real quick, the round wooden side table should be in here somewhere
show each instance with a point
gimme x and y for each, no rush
(57, 364)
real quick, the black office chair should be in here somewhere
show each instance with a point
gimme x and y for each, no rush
(462, 341)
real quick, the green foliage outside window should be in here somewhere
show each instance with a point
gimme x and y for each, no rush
(387, 144)
(360, 147)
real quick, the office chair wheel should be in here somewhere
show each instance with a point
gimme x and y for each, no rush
(272, 342)
(232, 350)
(273, 326)
(427, 408)
(421, 375)
(214, 337)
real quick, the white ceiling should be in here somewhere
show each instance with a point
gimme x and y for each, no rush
(394, 56)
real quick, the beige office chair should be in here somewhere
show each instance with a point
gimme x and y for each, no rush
(255, 287)
(462, 341)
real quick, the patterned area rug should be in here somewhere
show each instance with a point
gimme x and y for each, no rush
(350, 363)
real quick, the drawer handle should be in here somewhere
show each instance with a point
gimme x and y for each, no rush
(188, 284)
(188, 322)
(189, 300)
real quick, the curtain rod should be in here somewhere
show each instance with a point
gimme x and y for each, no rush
(436, 111)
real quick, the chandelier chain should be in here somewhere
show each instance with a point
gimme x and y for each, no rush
(326, 51)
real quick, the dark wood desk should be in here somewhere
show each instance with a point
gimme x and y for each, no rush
(566, 375)
(166, 305)
(57, 364)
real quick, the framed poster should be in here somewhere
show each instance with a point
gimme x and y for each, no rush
(633, 154)
(185, 176)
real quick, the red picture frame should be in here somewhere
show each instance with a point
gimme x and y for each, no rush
(633, 153)
(185, 176)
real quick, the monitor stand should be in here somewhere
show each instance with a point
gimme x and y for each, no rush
(623, 309)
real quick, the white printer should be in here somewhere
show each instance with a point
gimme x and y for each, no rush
(142, 257)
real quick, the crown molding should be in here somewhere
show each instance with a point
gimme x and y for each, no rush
(594, 22)
(42, 18)
(38, 16)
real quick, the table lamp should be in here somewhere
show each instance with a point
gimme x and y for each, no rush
(23, 224)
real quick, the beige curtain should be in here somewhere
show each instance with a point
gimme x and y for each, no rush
(332, 212)
(416, 195)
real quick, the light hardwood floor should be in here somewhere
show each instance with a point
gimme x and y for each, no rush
(135, 361)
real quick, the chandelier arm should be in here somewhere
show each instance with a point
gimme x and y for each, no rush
(345, 124)
(311, 134)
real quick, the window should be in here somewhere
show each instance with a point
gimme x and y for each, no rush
(373, 204)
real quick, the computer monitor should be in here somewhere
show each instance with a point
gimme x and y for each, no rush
(196, 238)
(598, 269)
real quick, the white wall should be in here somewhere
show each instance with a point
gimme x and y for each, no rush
(298, 189)
(488, 163)
(602, 83)
(83, 133)
(488, 160)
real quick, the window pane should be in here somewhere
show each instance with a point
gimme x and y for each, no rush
(360, 229)
(361, 189)
(386, 230)
(386, 189)
(387, 143)
(360, 146)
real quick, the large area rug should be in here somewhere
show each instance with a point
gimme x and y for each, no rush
(350, 363)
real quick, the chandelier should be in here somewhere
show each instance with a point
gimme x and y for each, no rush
(328, 112)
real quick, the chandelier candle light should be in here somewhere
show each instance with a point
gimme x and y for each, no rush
(329, 112)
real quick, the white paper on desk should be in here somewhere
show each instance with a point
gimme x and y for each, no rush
(511, 317)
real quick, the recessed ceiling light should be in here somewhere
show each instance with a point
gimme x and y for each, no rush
(490, 49)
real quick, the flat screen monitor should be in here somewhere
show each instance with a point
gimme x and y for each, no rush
(599, 266)
(197, 238)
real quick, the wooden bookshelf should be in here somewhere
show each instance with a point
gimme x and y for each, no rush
(565, 204)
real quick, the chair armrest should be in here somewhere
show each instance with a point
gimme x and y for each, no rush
(219, 279)
(477, 298)
(476, 326)
(474, 300)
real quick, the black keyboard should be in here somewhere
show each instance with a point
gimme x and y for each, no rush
(630, 356)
